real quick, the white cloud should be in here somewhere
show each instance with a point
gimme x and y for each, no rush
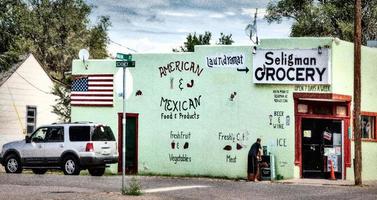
(140, 4)
(251, 11)
(141, 45)
(161, 25)
(217, 16)
(183, 30)
(178, 14)
(229, 13)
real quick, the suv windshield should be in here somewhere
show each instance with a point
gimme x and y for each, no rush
(103, 133)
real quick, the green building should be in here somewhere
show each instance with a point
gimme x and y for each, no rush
(199, 113)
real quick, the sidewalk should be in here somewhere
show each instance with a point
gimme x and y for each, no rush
(324, 182)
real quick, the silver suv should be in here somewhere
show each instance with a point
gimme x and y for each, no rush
(70, 147)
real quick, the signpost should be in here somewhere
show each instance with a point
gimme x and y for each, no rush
(126, 61)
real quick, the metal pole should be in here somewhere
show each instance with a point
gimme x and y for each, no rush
(356, 94)
(124, 128)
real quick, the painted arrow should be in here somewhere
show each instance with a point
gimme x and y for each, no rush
(243, 70)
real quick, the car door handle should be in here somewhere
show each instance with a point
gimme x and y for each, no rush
(39, 146)
(61, 145)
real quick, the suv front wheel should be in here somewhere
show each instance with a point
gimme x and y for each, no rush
(71, 166)
(13, 164)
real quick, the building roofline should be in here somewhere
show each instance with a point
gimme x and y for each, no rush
(5, 75)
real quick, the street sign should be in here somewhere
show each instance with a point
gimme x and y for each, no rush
(122, 56)
(125, 64)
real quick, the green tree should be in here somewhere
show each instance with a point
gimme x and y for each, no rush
(225, 39)
(9, 18)
(98, 38)
(193, 39)
(332, 18)
(54, 31)
(62, 107)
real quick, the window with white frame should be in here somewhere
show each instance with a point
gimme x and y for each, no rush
(31, 118)
(367, 127)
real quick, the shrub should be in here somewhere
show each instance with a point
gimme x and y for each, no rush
(134, 188)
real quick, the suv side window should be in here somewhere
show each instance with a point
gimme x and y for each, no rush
(79, 133)
(103, 133)
(55, 134)
(39, 135)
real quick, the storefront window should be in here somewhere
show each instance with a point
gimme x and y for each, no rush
(367, 127)
(302, 108)
(341, 110)
(323, 109)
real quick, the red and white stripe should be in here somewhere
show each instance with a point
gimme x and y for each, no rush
(327, 135)
(100, 92)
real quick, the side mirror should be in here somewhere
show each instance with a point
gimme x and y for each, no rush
(27, 139)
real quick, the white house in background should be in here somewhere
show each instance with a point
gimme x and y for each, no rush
(25, 99)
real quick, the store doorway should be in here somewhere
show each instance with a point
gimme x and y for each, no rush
(321, 143)
(131, 143)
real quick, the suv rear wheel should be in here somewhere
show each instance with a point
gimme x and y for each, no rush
(71, 166)
(39, 171)
(96, 171)
(13, 164)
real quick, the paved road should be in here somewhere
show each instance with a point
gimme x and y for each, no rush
(55, 186)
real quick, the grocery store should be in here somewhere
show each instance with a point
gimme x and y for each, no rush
(198, 113)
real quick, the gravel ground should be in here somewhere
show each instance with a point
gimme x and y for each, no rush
(57, 186)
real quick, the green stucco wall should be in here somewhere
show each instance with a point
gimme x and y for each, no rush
(343, 84)
(263, 110)
(368, 104)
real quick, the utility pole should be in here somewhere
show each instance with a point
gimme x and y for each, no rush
(357, 94)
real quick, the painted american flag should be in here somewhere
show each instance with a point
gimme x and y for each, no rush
(92, 90)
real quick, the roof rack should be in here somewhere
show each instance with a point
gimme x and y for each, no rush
(78, 122)
(82, 122)
(59, 123)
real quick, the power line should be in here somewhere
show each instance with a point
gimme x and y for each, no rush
(32, 84)
(122, 46)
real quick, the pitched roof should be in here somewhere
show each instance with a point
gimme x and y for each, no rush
(6, 74)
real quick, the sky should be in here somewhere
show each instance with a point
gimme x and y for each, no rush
(158, 26)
